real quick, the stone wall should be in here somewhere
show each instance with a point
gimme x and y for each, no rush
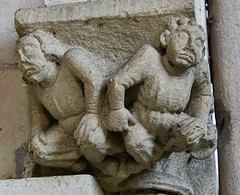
(14, 113)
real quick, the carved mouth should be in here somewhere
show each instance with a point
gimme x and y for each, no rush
(189, 57)
(186, 57)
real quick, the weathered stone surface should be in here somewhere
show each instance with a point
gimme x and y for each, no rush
(73, 116)
(78, 184)
(202, 176)
(14, 119)
(112, 34)
(14, 106)
(67, 86)
(224, 17)
(200, 13)
(23, 148)
(167, 176)
(8, 34)
(57, 2)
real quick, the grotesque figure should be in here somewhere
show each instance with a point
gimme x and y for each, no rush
(65, 94)
(173, 102)
(73, 118)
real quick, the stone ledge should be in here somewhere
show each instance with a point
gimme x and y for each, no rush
(111, 34)
(77, 184)
(57, 2)
(90, 10)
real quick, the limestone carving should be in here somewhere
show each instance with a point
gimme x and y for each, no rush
(174, 98)
(158, 103)
(65, 92)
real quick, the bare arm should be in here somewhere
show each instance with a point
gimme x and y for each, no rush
(188, 133)
(82, 65)
(201, 97)
(134, 71)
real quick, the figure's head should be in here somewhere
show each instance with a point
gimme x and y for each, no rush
(184, 43)
(38, 52)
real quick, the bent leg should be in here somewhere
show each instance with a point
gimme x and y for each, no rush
(139, 143)
(54, 148)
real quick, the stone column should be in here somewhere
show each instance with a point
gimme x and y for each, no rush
(225, 47)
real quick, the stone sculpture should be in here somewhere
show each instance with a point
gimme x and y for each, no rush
(78, 115)
(65, 88)
(173, 103)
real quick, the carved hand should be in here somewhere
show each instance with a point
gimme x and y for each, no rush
(88, 124)
(35, 134)
(186, 134)
(120, 120)
(92, 138)
(35, 137)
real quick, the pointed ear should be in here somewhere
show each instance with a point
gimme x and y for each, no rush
(164, 38)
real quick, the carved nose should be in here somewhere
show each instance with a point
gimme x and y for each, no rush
(191, 44)
(191, 48)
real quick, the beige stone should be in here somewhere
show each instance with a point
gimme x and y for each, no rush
(224, 21)
(170, 123)
(14, 125)
(113, 101)
(160, 120)
(66, 87)
(202, 175)
(57, 2)
(7, 32)
(14, 120)
(78, 184)
(112, 34)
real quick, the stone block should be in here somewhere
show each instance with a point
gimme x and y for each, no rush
(112, 34)
(57, 2)
(78, 184)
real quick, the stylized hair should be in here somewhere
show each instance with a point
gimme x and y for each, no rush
(175, 25)
(53, 50)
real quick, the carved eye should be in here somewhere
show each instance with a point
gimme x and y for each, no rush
(183, 36)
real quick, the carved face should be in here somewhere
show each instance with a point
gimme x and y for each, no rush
(33, 64)
(185, 47)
